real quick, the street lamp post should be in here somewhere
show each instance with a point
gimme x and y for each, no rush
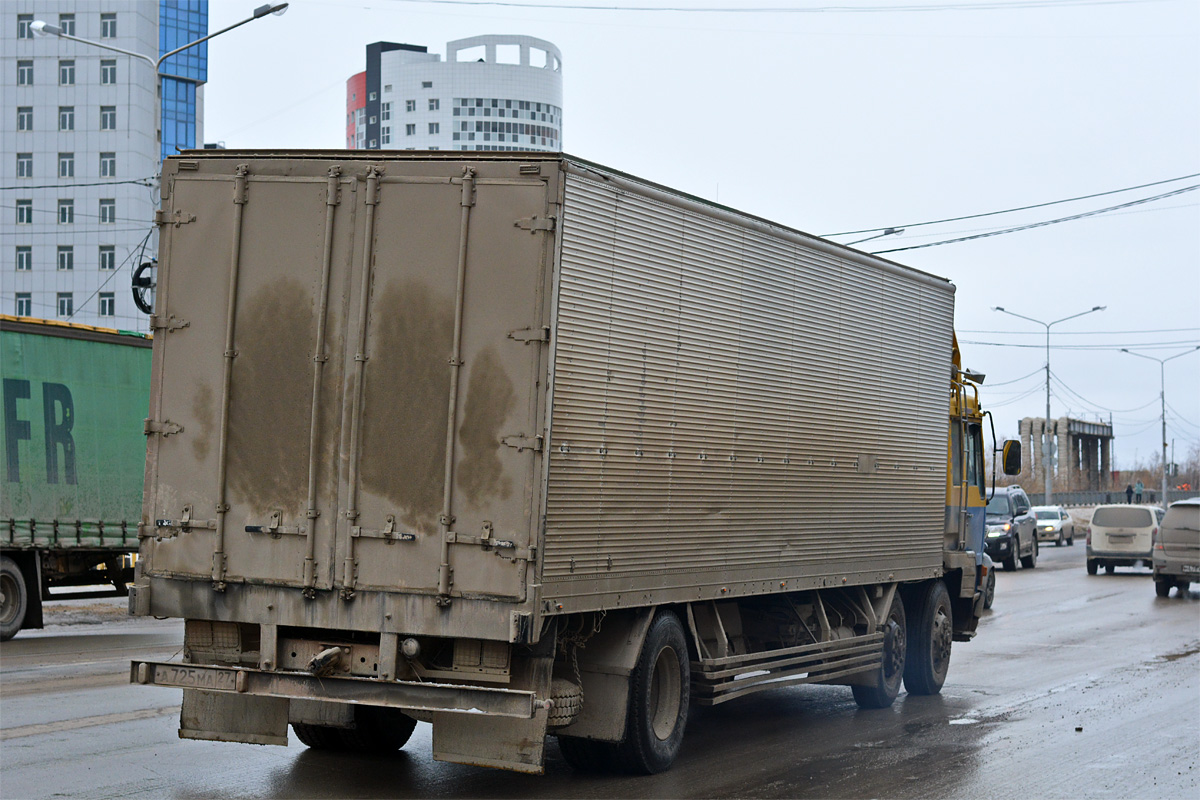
(1162, 393)
(1046, 432)
(42, 28)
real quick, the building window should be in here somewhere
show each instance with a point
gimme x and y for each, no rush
(108, 118)
(108, 71)
(24, 258)
(434, 104)
(387, 87)
(426, 84)
(23, 23)
(66, 212)
(67, 23)
(24, 212)
(372, 121)
(24, 118)
(24, 73)
(385, 135)
(374, 144)
(108, 211)
(385, 111)
(108, 304)
(108, 26)
(66, 73)
(66, 118)
(108, 257)
(24, 165)
(410, 105)
(410, 130)
(108, 165)
(66, 257)
(66, 304)
(371, 96)
(24, 304)
(435, 127)
(66, 165)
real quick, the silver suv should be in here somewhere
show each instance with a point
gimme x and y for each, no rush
(1176, 552)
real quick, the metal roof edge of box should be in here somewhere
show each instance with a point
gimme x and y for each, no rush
(425, 424)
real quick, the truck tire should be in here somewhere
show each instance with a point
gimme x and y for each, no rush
(659, 690)
(930, 634)
(377, 730)
(1030, 561)
(318, 737)
(14, 598)
(890, 672)
(587, 755)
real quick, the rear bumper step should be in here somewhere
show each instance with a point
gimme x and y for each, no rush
(443, 697)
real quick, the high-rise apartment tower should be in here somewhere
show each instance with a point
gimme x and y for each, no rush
(491, 93)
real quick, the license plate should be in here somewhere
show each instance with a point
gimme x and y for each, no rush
(1191, 568)
(189, 677)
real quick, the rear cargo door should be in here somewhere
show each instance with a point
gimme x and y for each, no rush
(234, 424)
(432, 223)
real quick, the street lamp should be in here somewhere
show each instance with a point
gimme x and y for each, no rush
(42, 28)
(1162, 377)
(1046, 432)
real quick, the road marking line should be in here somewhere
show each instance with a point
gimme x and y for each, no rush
(85, 722)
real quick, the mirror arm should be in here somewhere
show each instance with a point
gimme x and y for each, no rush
(995, 450)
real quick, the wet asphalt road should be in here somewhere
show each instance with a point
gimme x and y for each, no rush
(1076, 686)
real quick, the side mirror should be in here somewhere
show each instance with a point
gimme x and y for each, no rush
(1011, 458)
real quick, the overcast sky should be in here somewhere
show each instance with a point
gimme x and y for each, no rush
(859, 116)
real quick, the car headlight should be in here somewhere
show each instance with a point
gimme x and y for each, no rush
(995, 534)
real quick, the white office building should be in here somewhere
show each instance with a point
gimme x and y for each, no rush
(83, 134)
(490, 93)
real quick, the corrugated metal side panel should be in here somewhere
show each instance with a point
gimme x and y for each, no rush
(74, 404)
(715, 388)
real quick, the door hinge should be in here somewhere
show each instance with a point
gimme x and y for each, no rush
(172, 323)
(535, 224)
(166, 427)
(528, 335)
(176, 219)
(522, 442)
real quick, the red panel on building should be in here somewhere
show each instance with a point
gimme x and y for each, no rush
(356, 100)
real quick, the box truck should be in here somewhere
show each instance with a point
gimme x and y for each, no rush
(521, 446)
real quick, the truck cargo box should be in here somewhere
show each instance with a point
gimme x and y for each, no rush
(451, 393)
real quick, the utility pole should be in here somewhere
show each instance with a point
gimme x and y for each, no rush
(1162, 377)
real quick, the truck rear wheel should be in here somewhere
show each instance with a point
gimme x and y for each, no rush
(376, 730)
(930, 634)
(659, 690)
(14, 598)
(890, 672)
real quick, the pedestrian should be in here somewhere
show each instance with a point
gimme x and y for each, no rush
(1138, 489)
(1128, 493)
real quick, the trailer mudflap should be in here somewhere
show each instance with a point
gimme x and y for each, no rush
(503, 742)
(483, 701)
(219, 717)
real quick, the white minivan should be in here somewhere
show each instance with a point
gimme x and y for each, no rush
(1122, 536)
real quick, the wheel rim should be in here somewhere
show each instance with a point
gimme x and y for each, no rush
(664, 694)
(8, 599)
(893, 657)
(943, 635)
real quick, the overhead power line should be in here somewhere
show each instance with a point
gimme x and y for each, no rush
(1087, 333)
(1020, 208)
(1091, 347)
(1044, 223)
(990, 5)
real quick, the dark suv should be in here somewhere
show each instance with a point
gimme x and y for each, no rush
(1011, 528)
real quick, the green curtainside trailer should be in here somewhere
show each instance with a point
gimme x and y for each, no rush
(74, 405)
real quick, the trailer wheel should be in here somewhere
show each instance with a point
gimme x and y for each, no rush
(377, 730)
(659, 690)
(14, 598)
(887, 676)
(930, 633)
